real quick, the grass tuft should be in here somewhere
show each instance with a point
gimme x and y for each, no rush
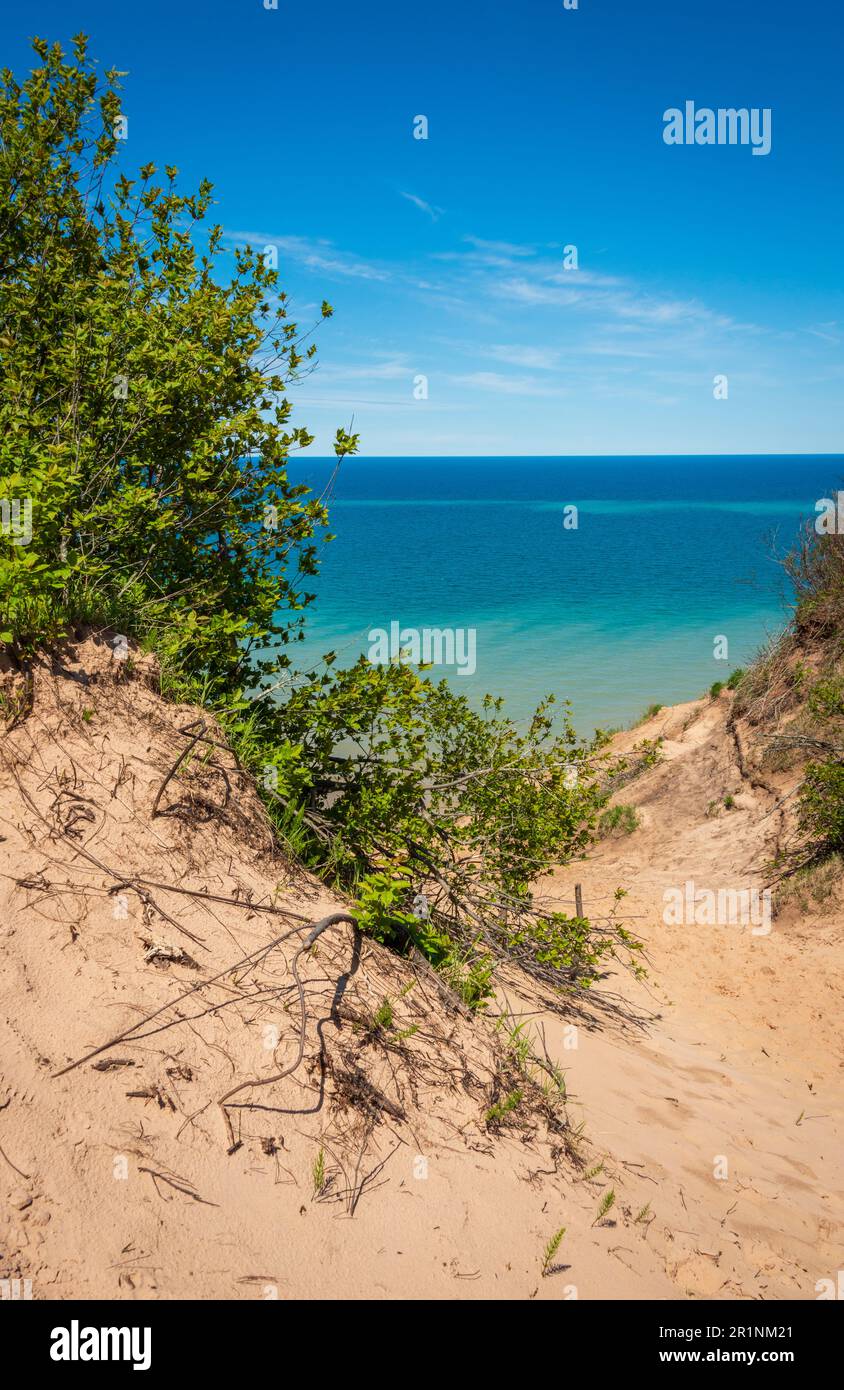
(550, 1251)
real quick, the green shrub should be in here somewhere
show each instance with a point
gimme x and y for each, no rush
(821, 805)
(619, 820)
(815, 567)
(499, 1112)
(815, 884)
(458, 802)
(826, 698)
(649, 713)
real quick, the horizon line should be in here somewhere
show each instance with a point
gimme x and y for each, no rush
(332, 458)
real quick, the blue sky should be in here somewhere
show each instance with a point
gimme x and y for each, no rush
(443, 257)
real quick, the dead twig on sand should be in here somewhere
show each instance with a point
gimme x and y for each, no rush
(120, 880)
(180, 1184)
(355, 1184)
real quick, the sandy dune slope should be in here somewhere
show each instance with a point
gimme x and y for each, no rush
(116, 1177)
(372, 1170)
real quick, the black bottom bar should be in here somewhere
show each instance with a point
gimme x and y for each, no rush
(247, 1338)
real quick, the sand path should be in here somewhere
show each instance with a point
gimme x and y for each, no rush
(726, 1097)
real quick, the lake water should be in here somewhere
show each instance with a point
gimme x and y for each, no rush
(668, 555)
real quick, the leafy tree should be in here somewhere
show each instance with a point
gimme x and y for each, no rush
(142, 408)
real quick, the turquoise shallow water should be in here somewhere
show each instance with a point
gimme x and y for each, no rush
(668, 555)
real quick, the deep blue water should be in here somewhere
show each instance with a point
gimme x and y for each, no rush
(668, 554)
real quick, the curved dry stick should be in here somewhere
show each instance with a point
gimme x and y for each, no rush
(318, 928)
(199, 737)
(214, 742)
(189, 747)
(12, 1166)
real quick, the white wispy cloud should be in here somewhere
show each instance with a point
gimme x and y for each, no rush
(319, 255)
(391, 368)
(616, 349)
(526, 291)
(500, 248)
(519, 356)
(433, 212)
(520, 274)
(500, 383)
(827, 331)
(493, 322)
